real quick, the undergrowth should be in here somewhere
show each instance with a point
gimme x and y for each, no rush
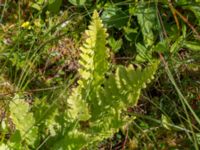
(63, 88)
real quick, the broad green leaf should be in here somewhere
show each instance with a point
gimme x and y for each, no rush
(147, 20)
(114, 17)
(54, 5)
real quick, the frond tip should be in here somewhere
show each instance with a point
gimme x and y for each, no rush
(94, 53)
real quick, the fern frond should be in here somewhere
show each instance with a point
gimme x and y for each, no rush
(119, 92)
(123, 89)
(94, 54)
(23, 121)
(94, 64)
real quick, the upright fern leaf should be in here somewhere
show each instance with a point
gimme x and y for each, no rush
(94, 54)
(94, 64)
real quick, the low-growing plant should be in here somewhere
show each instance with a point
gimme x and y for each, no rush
(95, 109)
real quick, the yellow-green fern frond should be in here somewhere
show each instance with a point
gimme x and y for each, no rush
(93, 65)
(123, 89)
(120, 91)
(94, 54)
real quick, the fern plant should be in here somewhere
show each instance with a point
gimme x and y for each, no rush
(97, 103)
(95, 107)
